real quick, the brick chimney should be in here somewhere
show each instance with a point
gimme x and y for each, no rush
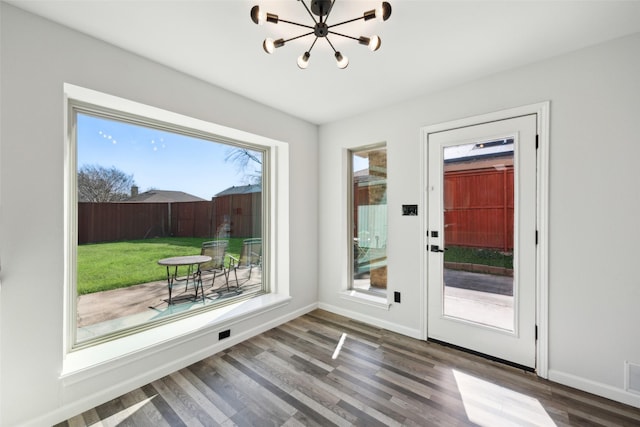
(134, 190)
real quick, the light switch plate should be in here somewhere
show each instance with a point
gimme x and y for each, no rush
(409, 210)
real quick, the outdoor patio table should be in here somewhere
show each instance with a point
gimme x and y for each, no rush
(189, 261)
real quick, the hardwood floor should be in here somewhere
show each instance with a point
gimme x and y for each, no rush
(287, 376)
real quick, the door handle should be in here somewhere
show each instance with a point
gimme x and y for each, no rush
(436, 248)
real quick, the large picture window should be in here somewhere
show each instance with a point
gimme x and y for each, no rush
(169, 222)
(369, 219)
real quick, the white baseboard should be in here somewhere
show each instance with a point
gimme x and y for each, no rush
(74, 408)
(593, 387)
(393, 327)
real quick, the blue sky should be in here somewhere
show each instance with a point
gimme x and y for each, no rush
(360, 163)
(158, 159)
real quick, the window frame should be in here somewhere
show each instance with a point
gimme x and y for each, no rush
(351, 222)
(85, 101)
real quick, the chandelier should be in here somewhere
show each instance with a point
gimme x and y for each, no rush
(320, 29)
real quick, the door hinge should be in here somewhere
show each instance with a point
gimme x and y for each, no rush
(536, 333)
(536, 237)
(537, 144)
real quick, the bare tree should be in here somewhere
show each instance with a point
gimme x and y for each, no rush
(246, 159)
(100, 184)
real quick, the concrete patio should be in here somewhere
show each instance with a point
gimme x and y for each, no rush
(108, 311)
(478, 297)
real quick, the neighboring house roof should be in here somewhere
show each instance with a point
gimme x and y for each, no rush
(362, 172)
(243, 189)
(364, 178)
(469, 152)
(159, 196)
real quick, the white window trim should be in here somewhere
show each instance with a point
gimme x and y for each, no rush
(350, 293)
(366, 298)
(276, 255)
(88, 362)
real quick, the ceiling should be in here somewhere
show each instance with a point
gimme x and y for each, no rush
(427, 46)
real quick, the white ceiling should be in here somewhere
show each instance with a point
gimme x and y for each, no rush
(427, 46)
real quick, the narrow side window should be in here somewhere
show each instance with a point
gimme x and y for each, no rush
(368, 213)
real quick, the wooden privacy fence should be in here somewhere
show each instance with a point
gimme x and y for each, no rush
(478, 208)
(237, 215)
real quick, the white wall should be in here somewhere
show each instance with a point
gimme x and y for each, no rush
(594, 204)
(37, 58)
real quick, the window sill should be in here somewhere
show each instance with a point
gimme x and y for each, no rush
(83, 364)
(365, 298)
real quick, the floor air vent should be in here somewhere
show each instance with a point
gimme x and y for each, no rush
(632, 379)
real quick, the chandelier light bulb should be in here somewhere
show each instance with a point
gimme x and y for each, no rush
(257, 16)
(383, 12)
(268, 45)
(341, 61)
(379, 13)
(373, 42)
(303, 60)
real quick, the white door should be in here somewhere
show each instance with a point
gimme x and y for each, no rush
(481, 235)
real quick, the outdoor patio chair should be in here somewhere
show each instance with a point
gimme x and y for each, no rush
(217, 250)
(251, 256)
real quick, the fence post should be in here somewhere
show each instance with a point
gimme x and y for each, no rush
(505, 210)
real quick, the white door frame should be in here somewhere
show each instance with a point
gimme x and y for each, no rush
(542, 214)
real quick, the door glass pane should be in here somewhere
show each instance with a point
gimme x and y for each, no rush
(369, 219)
(478, 201)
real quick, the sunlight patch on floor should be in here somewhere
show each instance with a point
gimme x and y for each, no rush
(339, 346)
(122, 416)
(489, 405)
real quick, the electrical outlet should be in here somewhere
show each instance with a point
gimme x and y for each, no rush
(224, 334)
(396, 296)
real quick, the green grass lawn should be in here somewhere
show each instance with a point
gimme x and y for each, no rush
(479, 256)
(105, 266)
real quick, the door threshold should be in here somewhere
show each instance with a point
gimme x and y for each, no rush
(483, 355)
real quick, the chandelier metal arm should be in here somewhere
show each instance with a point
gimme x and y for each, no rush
(344, 35)
(329, 12)
(309, 11)
(299, 37)
(312, 45)
(347, 21)
(295, 23)
(331, 44)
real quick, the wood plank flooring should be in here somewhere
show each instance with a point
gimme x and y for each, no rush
(287, 377)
